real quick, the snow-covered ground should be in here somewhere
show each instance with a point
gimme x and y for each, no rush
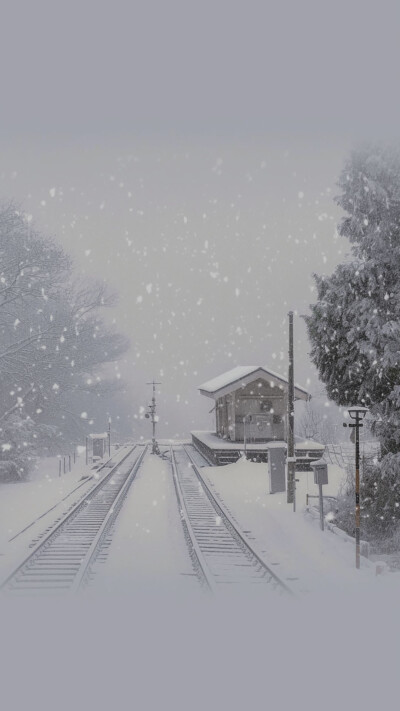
(148, 550)
(151, 642)
(28, 508)
(308, 559)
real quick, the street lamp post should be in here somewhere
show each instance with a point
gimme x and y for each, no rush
(357, 413)
(109, 436)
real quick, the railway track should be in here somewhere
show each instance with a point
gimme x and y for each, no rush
(221, 555)
(61, 563)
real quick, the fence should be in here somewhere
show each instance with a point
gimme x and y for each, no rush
(65, 462)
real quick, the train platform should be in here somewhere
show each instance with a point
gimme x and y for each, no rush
(220, 451)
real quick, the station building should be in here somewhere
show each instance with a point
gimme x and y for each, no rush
(250, 408)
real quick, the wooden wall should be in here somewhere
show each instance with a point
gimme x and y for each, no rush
(263, 406)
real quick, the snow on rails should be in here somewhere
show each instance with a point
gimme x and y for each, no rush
(63, 559)
(61, 562)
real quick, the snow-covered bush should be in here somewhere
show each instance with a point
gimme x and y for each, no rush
(8, 471)
(380, 496)
(17, 447)
(380, 503)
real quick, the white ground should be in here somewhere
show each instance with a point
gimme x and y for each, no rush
(148, 550)
(37, 503)
(308, 559)
(334, 650)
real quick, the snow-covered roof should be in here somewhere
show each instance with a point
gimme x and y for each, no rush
(103, 435)
(241, 376)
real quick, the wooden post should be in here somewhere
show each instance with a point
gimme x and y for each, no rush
(233, 417)
(321, 507)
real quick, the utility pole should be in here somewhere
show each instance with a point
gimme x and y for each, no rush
(291, 461)
(154, 418)
(109, 436)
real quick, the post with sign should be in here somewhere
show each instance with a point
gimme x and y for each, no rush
(320, 468)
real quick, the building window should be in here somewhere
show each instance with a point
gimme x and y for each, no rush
(265, 406)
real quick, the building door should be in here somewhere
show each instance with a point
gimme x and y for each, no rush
(98, 448)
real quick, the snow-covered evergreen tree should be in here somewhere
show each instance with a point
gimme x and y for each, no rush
(354, 327)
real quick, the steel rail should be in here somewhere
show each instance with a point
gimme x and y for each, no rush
(69, 549)
(220, 541)
(95, 548)
(195, 552)
(106, 464)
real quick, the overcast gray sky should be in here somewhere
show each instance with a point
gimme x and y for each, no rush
(188, 153)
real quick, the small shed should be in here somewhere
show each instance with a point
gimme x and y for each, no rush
(97, 445)
(251, 403)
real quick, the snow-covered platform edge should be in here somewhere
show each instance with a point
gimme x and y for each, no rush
(221, 451)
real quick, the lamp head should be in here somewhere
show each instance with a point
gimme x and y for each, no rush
(357, 411)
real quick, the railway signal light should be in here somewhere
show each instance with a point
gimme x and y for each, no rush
(154, 418)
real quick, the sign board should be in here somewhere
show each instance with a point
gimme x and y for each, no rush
(320, 468)
(98, 448)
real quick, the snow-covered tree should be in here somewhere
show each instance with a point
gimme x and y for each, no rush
(319, 423)
(54, 344)
(70, 352)
(354, 326)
